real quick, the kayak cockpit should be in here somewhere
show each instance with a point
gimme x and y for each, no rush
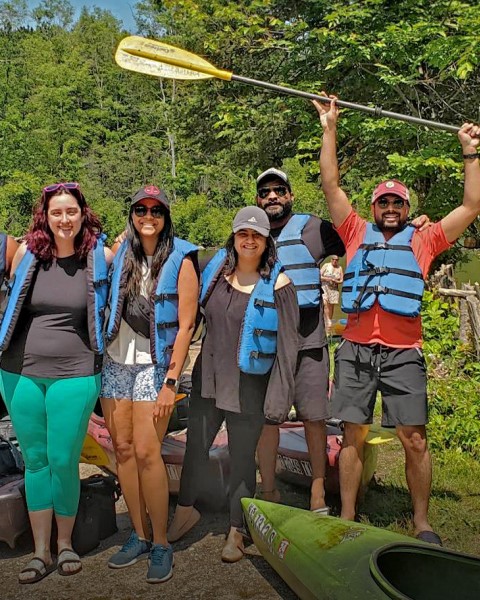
(417, 572)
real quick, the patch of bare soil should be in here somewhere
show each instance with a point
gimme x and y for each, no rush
(198, 573)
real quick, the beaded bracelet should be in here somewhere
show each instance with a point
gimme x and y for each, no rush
(472, 155)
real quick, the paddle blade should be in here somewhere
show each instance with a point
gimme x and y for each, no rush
(162, 60)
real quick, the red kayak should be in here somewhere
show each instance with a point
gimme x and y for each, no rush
(98, 450)
(293, 461)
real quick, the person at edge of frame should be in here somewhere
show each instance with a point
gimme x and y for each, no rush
(387, 264)
(245, 370)
(51, 363)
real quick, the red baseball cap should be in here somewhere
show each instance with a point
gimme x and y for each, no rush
(391, 186)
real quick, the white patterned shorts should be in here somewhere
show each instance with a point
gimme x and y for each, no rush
(133, 382)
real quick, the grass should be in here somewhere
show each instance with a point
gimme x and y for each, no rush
(454, 503)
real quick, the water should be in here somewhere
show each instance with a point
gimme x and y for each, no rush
(469, 272)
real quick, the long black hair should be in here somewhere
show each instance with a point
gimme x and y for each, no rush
(267, 260)
(135, 257)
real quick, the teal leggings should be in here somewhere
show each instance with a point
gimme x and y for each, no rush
(50, 417)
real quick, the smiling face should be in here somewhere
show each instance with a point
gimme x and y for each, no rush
(388, 213)
(249, 244)
(64, 217)
(148, 225)
(275, 198)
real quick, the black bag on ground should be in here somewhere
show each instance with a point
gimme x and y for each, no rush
(96, 517)
(11, 461)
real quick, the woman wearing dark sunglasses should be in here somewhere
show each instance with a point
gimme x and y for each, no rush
(153, 304)
(51, 337)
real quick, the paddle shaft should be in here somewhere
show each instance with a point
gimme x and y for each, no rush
(376, 111)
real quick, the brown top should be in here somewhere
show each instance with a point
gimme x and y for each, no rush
(216, 373)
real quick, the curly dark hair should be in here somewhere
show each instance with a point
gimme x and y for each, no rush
(135, 256)
(267, 260)
(40, 239)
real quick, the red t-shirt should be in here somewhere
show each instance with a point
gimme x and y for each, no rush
(377, 326)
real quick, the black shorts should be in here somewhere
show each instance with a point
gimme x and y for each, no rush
(399, 374)
(311, 384)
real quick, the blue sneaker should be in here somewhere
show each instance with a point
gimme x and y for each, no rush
(133, 550)
(160, 563)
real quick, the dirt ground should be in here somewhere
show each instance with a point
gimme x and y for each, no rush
(198, 573)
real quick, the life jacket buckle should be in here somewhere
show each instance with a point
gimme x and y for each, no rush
(380, 289)
(381, 270)
(254, 354)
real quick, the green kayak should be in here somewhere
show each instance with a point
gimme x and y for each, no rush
(332, 559)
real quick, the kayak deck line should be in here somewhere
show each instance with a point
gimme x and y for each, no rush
(327, 558)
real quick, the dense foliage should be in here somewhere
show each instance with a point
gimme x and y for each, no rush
(454, 380)
(68, 112)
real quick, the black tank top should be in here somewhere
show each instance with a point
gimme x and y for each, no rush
(51, 337)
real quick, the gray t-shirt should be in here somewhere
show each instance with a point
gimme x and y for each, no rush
(51, 336)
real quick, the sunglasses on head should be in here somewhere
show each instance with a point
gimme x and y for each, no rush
(280, 190)
(66, 185)
(156, 211)
(397, 203)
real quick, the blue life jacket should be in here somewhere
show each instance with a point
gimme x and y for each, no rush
(164, 316)
(384, 271)
(97, 293)
(257, 345)
(299, 264)
(3, 256)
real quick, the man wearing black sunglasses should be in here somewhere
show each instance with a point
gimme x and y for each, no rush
(303, 242)
(387, 264)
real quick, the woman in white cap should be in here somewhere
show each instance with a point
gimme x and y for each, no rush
(245, 370)
(153, 305)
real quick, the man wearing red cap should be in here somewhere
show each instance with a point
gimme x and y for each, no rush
(387, 264)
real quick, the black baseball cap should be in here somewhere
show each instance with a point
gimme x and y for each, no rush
(153, 192)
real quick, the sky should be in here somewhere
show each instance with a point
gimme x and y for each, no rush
(121, 9)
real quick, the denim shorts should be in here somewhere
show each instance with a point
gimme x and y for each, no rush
(133, 382)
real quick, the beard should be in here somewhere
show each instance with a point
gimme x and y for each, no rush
(276, 212)
(395, 227)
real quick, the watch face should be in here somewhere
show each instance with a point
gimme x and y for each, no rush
(170, 381)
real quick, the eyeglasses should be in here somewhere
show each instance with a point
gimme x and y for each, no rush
(397, 203)
(156, 211)
(66, 185)
(280, 190)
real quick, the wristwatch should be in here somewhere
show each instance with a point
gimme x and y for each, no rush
(172, 381)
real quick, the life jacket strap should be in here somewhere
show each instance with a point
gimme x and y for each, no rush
(382, 271)
(167, 325)
(308, 286)
(307, 265)
(384, 246)
(100, 283)
(257, 354)
(162, 297)
(264, 303)
(298, 242)
(379, 289)
(264, 331)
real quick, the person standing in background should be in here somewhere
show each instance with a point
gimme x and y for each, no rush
(332, 278)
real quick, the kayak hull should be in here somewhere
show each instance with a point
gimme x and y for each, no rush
(293, 460)
(98, 450)
(328, 558)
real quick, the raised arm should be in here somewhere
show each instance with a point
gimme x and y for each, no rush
(455, 223)
(337, 201)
